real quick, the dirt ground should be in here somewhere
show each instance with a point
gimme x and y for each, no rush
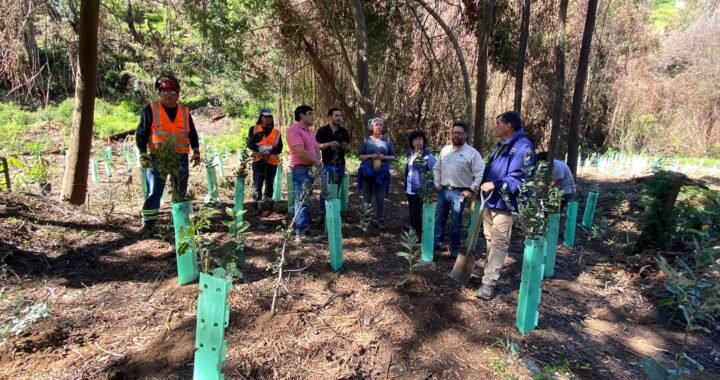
(116, 310)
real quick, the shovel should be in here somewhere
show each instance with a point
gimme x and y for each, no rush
(464, 264)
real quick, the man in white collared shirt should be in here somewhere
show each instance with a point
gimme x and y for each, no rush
(458, 173)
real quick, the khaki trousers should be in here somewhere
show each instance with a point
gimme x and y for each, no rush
(497, 227)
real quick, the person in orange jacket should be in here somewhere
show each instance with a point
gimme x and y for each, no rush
(265, 141)
(160, 121)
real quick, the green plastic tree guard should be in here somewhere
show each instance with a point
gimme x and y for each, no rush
(530, 285)
(471, 228)
(291, 194)
(333, 191)
(428, 232)
(143, 183)
(202, 138)
(551, 237)
(590, 209)
(334, 226)
(239, 195)
(108, 154)
(571, 224)
(108, 160)
(221, 167)
(331, 194)
(213, 193)
(277, 187)
(345, 193)
(213, 316)
(94, 171)
(188, 270)
(128, 158)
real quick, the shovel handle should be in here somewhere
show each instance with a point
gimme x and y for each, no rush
(478, 222)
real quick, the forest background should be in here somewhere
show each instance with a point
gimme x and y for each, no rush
(650, 87)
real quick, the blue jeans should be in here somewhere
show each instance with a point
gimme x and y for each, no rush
(302, 182)
(156, 187)
(332, 174)
(371, 189)
(449, 202)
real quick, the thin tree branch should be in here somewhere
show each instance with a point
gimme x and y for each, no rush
(460, 57)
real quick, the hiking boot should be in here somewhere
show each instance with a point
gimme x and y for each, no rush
(254, 209)
(381, 224)
(486, 292)
(146, 231)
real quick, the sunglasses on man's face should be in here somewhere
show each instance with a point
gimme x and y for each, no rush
(169, 92)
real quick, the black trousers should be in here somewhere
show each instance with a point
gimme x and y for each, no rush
(263, 174)
(415, 205)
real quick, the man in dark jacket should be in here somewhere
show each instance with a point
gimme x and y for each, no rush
(504, 173)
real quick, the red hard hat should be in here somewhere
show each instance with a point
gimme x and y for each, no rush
(168, 85)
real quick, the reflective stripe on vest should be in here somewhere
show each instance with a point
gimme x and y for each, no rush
(163, 129)
(274, 139)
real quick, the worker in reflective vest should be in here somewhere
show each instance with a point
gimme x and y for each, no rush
(265, 142)
(161, 121)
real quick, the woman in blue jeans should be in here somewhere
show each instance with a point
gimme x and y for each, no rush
(376, 153)
(419, 163)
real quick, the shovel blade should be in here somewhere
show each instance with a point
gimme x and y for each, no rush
(463, 268)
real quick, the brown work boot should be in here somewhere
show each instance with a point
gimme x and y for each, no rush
(486, 292)
(267, 208)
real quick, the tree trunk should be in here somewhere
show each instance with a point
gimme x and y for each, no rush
(29, 36)
(434, 61)
(130, 20)
(345, 55)
(658, 221)
(484, 32)
(461, 58)
(367, 108)
(580, 79)
(74, 185)
(520, 68)
(300, 38)
(559, 84)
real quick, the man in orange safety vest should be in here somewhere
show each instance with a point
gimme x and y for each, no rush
(159, 122)
(265, 141)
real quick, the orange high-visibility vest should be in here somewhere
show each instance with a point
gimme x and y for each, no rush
(272, 139)
(162, 128)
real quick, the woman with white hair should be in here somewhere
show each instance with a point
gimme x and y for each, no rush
(376, 152)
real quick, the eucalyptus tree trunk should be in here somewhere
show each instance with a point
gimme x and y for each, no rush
(520, 68)
(460, 56)
(559, 83)
(367, 108)
(580, 79)
(484, 33)
(74, 187)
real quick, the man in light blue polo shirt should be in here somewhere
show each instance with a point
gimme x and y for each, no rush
(562, 178)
